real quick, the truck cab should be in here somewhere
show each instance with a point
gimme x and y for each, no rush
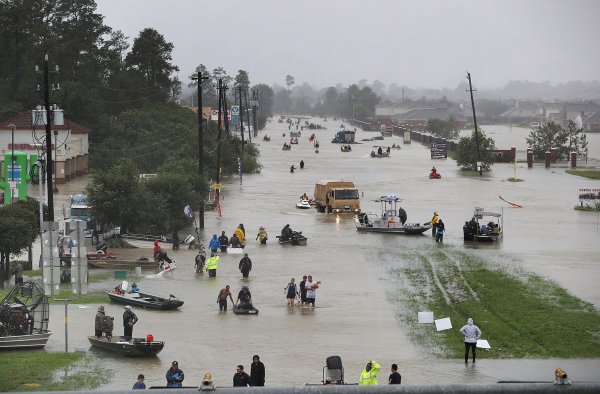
(344, 137)
(337, 197)
(79, 211)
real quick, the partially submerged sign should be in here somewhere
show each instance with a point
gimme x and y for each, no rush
(438, 151)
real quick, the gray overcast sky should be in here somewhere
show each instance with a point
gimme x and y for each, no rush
(420, 43)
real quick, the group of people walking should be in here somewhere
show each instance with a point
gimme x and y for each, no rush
(306, 292)
(175, 376)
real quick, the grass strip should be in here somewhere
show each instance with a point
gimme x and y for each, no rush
(521, 315)
(592, 174)
(39, 370)
(514, 180)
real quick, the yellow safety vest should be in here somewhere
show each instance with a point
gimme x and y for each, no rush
(211, 264)
(370, 377)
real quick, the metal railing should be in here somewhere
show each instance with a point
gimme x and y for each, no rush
(495, 388)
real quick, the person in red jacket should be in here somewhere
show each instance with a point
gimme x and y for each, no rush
(159, 254)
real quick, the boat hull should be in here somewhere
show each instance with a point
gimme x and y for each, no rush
(128, 348)
(302, 241)
(126, 265)
(239, 311)
(158, 304)
(25, 341)
(409, 229)
(488, 238)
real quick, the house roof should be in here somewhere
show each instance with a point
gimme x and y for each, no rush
(554, 105)
(25, 122)
(427, 105)
(465, 110)
(385, 104)
(593, 118)
(557, 115)
(523, 106)
(426, 114)
(401, 104)
(587, 106)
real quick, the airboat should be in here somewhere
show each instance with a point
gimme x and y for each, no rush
(24, 316)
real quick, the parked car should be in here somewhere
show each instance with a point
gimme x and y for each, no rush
(534, 125)
(522, 124)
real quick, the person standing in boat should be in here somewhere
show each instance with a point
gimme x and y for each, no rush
(98, 323)
(174, 375)
(224, 241)
(262, 235)
(473, 228)
(434, 223)
(129, 319)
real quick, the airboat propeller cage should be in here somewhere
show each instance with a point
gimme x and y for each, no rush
(24, 311)
(334, 370)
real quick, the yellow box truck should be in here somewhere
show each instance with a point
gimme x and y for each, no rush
(337, 197)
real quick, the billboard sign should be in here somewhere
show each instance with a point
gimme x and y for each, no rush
(214, 114)
(438, 151)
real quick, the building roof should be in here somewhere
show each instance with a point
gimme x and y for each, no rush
(554, 105)
(385, 104)
(25, 122)
(464, 110)
(522, 106)
(557, 115)
(593, 118)
(587, 106)
(406, 103)
(425, 114)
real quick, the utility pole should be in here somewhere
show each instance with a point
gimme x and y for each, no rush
(479, 163)
(255, 111)
(200, 78)
(49, 164)
(239, 89)
(248, 117)
(219, 125)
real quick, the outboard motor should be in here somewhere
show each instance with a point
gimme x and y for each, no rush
(334, 371)
(294, 238)
(102, 247)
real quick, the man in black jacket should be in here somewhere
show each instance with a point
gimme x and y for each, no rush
(129, 319)
(224, 242)
(257, 372)
(245, 265)
(241, 378)
(174, 375)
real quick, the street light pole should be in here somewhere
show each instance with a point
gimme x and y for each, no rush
(55, 190)
(200, 78)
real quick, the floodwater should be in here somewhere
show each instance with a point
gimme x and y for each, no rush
(353, 318)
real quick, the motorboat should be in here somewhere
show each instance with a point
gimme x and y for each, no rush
(287, 147)
(122, 264)
(24, 317)
(241, 311)
(493, 231)
(135, 347)
(435, 175)
(296, 239)
(147, 241)
(392, 219)
(380, 151)
(121, 295)
(312, 202)
(303, 204)
(346, 148)
(101, 256)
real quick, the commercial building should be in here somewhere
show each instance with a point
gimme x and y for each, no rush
(70, 146)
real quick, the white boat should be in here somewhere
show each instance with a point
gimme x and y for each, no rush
(380, 151)
(304, 204)
(392, 220)
(493, 231)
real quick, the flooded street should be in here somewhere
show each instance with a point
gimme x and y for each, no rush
(353, 318)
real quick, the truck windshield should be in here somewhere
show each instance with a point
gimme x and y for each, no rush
(79, 212)
(347, 194)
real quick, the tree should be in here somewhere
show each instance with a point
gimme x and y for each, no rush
(242, 80)
(443, 128)
(577, 140)
(19, 228)
(361, 112)
(551, 135)
(289, 81)
(467, 152)
(150, 57)
(209, 89)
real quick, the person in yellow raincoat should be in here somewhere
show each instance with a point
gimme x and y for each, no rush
(262, 235)
(369, 374)
(240, 234)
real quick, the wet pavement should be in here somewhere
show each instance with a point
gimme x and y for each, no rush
(353, 318)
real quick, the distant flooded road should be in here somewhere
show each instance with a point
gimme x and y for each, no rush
(353, 318)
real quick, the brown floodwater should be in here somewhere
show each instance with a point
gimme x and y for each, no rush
(353, 318)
